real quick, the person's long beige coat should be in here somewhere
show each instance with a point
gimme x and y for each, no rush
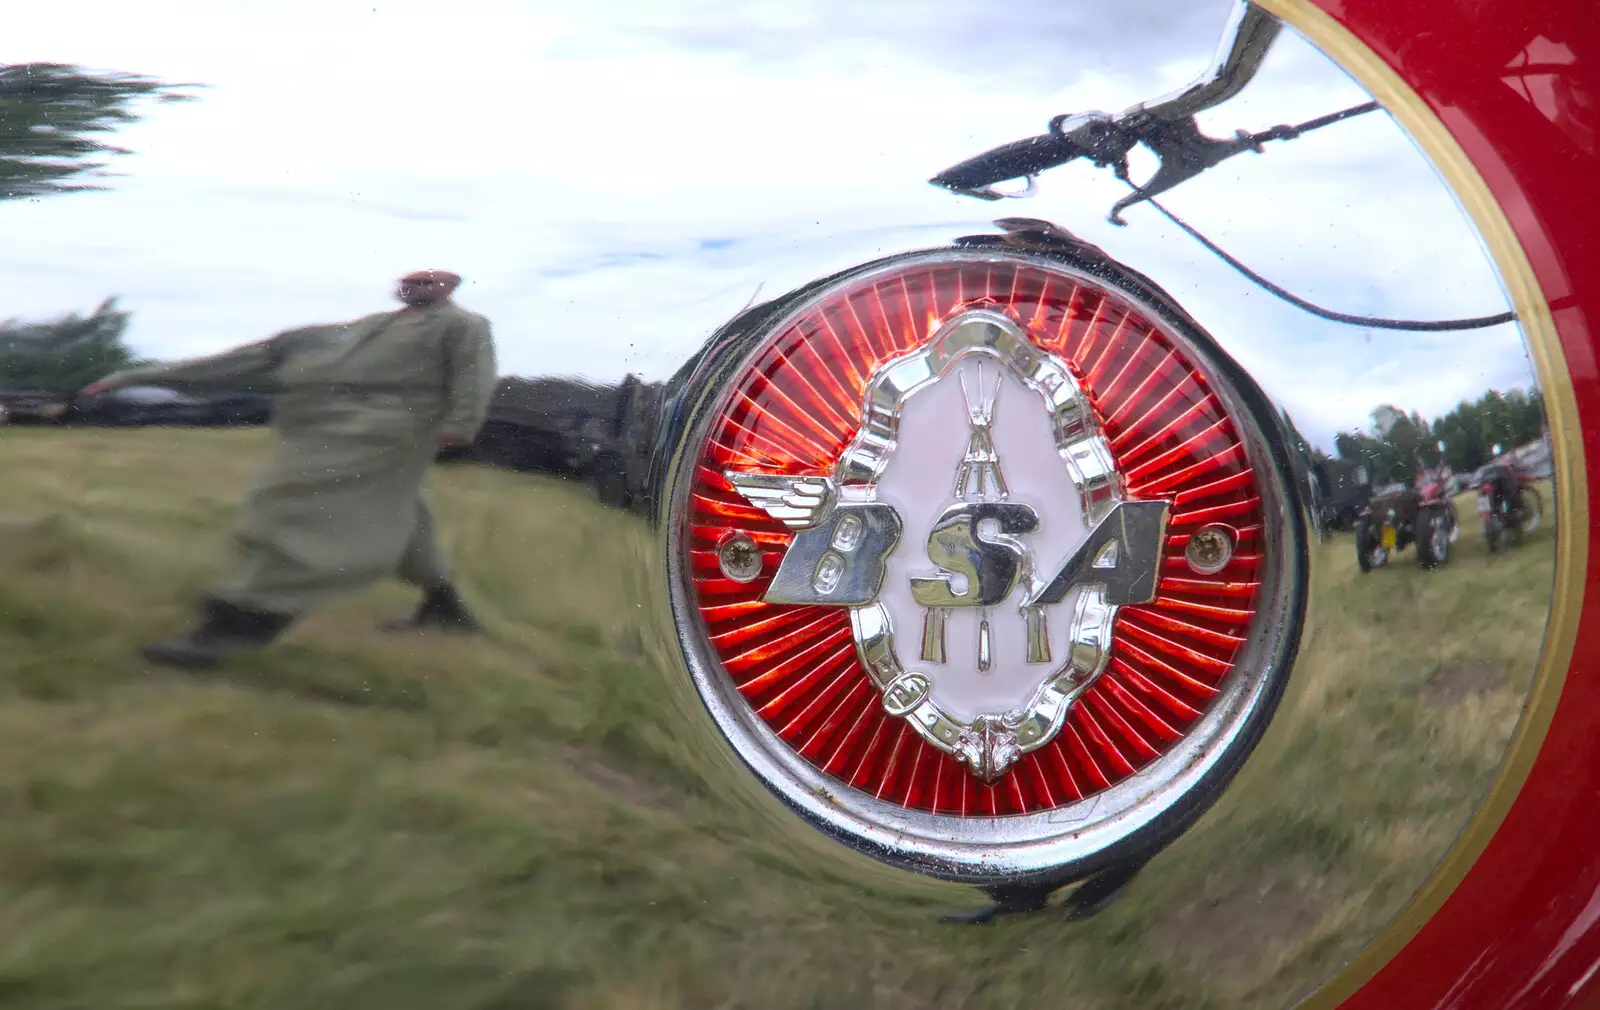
(360, 407)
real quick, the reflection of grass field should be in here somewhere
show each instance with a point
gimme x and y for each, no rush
(349, 821)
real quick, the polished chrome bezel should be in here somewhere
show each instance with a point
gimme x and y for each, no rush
(1049, 842)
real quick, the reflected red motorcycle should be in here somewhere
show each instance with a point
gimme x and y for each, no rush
(1437, 525)
(1509, 505)
(1423, 515)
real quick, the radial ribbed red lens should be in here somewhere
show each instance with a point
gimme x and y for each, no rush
(798, 405)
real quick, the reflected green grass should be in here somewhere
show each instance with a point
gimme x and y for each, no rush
(355, 821)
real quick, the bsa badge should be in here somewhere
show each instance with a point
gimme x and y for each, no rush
(988, 560)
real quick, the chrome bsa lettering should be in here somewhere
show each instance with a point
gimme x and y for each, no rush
(976, 583)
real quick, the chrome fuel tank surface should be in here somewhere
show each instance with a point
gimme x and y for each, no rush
(736, 572)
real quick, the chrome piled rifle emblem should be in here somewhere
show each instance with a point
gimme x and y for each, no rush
(1000, 579)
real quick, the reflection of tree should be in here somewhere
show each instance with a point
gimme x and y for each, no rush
(1469, 433)
(1510, 420)
(51, 118)
(66, 353)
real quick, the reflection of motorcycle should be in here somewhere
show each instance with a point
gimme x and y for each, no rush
(1508, 504)
(1394, 520)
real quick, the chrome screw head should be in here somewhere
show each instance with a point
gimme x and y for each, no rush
(1210, 550)
(739, 558)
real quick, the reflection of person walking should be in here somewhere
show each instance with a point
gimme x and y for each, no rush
(362, 409)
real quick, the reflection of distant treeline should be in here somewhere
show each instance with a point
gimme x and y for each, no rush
(547, 424)
(52, 119)
(138, 406)
(1400, 441)
(66, 353)
(44, 364)
(590, 431)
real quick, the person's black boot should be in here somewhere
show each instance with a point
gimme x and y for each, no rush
(224, 630)
(441, 608)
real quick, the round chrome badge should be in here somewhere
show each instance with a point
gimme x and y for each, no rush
(978, 643)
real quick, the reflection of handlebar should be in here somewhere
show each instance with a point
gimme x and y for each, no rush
(1095, 136)
(1166, 126)
(1183, 150)
(1020, 159)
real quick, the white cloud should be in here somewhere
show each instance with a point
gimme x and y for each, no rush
(615, 182)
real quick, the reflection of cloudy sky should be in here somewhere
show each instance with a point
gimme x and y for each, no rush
(617, 179)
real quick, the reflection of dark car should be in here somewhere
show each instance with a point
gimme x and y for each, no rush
(137, 406)
(227, 409)
(572, 429)
(1345, 492)
(34, 406)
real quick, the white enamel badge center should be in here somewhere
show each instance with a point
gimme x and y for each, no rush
(977, 530)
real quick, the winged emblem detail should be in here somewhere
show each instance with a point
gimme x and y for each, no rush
(797, 502)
